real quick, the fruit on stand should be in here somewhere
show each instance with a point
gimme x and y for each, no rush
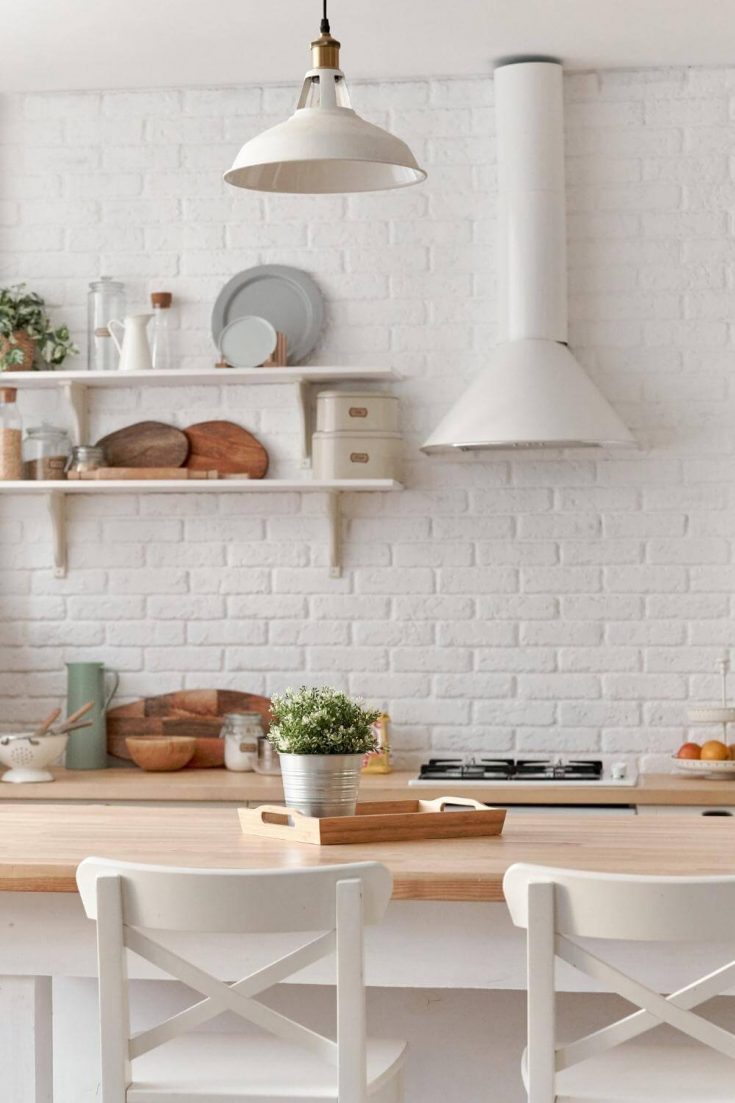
(689, 750)
(715, 751)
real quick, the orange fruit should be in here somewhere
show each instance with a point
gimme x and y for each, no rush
(689, 750)
(715, 751)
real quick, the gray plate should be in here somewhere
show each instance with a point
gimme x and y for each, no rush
(287, 297)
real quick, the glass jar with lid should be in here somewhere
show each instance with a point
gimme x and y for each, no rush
(46, 450)
(241, 731)
(105, 300)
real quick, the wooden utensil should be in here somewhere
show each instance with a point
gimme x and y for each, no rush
(44, 727)
(69, 722)
(197, 712)
(146, 444)
(226, 447)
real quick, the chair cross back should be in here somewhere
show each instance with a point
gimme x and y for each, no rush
(129, 901)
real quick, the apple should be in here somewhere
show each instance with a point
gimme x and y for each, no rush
(689, 750)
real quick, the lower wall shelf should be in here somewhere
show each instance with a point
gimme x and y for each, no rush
(56, 494)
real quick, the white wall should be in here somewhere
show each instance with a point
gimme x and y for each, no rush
(541, 602)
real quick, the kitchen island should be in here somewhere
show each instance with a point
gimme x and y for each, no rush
(446, 959)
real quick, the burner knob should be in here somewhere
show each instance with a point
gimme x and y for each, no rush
(619, 771)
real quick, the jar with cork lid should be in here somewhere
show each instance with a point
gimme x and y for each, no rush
(11, 436)
(161, 336)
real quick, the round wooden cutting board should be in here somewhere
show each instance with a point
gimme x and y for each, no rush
(145, 444)
(227, 448)
(197, 712)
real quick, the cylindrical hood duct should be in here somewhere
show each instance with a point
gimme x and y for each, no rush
(532, 246)
(533, 393)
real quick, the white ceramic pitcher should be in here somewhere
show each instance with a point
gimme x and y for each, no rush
(134, 349)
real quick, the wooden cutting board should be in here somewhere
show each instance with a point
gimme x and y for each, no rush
(197, 712)
(227, 448)
(146, 444)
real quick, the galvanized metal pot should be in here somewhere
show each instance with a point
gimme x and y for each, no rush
(321, 784)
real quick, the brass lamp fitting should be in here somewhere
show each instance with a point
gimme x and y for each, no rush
(325, 52)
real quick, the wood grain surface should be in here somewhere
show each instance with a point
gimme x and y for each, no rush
(227, 448)
(197, 712)
(40, 848)
(145, 444)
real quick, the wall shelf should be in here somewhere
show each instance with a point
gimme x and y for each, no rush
(57, 492)
(75, 384)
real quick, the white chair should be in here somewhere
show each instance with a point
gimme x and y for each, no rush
(289, 1062)
(557, 907)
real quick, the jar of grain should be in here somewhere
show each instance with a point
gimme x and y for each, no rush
(46, 449)
(11, 436)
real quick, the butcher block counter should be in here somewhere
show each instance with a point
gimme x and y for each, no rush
(40, 848)
(224, 787)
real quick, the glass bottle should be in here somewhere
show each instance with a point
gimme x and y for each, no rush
(105, 300)
(46, 449)
(161, 335)
(11, 436)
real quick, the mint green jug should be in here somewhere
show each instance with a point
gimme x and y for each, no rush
(87, 748)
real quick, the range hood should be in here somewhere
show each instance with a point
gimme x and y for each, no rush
(532, 393)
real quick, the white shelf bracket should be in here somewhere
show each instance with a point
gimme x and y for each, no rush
(57, 511)
(335, 534)
(304, 400)
(76, 396)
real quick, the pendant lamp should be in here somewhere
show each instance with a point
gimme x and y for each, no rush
(324, 147)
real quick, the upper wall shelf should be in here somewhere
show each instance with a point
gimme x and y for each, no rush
(195, 377)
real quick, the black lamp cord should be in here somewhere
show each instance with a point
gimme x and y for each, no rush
(324, 26)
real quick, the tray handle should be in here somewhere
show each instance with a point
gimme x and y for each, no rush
(440, 803)
(278, 813)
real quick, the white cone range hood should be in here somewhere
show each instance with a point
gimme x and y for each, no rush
(533, 393)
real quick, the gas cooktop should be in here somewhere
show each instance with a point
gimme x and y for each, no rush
(501, 771)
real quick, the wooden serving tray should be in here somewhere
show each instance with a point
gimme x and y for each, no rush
(379, 821)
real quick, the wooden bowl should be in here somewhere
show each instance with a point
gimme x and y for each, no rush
(171, 752)
(208, 753)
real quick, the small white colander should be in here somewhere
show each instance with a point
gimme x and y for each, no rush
(28, 755)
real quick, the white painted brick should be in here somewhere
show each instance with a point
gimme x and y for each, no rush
(629, 555)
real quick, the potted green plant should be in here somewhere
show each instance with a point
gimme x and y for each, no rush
(322, 737)
(26, 332)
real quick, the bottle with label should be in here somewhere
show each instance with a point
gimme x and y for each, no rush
(105, 300)
(378, 761)
(161, 335)
(11, 436)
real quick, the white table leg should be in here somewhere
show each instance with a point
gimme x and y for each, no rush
(26, 1039)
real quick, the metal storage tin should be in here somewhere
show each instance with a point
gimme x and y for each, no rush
(361, 411)
(356, 455)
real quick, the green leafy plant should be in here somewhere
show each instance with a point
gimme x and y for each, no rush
(24, 312)
(321, 721)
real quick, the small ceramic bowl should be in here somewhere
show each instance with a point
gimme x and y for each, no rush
(170, 752)
(28, 755)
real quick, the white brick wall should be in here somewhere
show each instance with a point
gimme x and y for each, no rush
(568, 602)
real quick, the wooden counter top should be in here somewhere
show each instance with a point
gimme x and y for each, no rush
(40, 847)
(222, 786)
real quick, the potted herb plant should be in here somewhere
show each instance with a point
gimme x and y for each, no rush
(26, 332)
(321, 736)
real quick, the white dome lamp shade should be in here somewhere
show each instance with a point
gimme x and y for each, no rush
(324, 147)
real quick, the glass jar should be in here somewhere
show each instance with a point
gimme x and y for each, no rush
(11, 436)
(241, 731)
(105, 300)
(161, 335)
(85, 457)
(46, 450)
(268, 760)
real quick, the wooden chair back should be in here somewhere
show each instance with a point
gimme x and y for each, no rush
(558, 906)
(331, 902)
